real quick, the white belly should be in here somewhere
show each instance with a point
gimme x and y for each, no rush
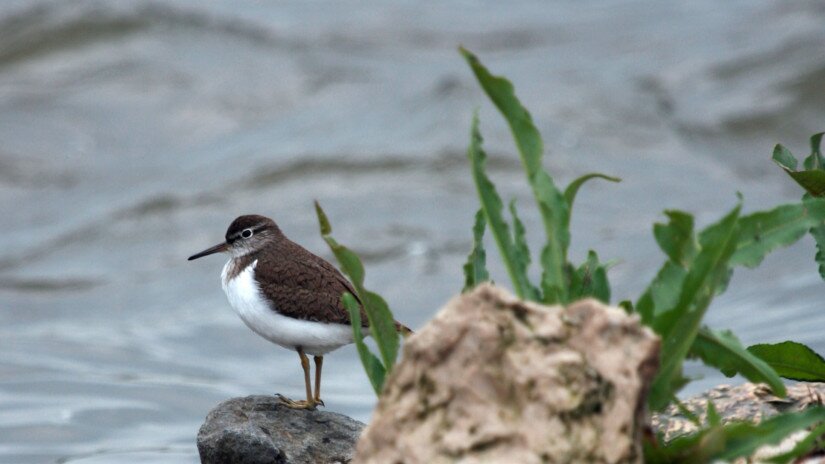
(316, 338)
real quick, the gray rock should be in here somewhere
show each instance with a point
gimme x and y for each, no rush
(260, 430)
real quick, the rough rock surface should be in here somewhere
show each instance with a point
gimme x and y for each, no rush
(495, 379)
(259, 430)
(746, 402)
(750, 402)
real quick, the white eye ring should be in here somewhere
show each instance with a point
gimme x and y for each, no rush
(246, 233)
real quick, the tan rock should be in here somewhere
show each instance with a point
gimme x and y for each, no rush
(495, 379)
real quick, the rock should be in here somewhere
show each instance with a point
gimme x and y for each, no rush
(746, 402)
(260, 430)
(495, 379)
(749, 402)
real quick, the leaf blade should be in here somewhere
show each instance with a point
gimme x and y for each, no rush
(553, 207)
(372, 366)
(725, 352)
(475, 269)
(792, 360)
(765, 231)
(573, 188)
(708, 271)
(492, 206)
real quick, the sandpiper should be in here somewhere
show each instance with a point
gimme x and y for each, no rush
(286, 294)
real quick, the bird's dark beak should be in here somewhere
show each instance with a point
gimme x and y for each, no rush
(215, 249)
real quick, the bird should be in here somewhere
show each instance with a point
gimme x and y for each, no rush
(287, 295)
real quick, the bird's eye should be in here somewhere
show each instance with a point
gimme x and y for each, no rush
(246, 233)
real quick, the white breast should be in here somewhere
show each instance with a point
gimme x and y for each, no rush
(316, 338)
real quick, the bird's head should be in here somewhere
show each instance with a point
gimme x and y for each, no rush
(247, 234)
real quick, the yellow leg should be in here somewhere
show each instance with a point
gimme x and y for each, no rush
(319, 362)
(310, 402)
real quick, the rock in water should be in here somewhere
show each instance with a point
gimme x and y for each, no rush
(495, 379)
(260, 430)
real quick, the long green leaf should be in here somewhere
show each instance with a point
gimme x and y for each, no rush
(382, 327)
(725, 352)
(765, 231)
(573, 188)
(373, 367)
(492, 206)
(381, 320)
(553, 207)
(521, 248)
(555, 214)
(475, 270)
(501, 92)
(792, 360)
(680, 325)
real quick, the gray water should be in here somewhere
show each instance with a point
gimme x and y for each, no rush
(132, 133)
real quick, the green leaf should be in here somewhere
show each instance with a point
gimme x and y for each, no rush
(743, 439)
(812, 178)
(812, 181)
(627, 305)
(765, 231)
(680, 325)
(713, 416)
(683, 410)
(381, 321)
(676, 238)
(802, 448)
(724, 351)
(382, 326)
(661, 295)
(475, 270)
(501, 92)
(818, 233)
(520, 246)
(553, 207)
(590, 280)
(792, 360)
(492, 206)
(573, 188)
(323, 221)
(784, 158)
(815, 160)
(556, 217)
(373, 367)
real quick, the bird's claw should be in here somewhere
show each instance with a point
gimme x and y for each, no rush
(298, 404)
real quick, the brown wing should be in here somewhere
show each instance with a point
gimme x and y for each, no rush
(304, 286)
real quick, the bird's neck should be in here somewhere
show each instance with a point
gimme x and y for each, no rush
(238, 264)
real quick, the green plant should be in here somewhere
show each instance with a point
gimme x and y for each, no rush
(381, 321)
(698, 266)
(812, 179)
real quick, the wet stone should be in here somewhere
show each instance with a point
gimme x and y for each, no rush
(260, 430)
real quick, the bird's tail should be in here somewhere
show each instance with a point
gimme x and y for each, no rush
(403, 329)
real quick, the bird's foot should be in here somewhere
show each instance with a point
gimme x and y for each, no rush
(298, 404)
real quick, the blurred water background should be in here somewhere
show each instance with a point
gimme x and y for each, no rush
(133, 132)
